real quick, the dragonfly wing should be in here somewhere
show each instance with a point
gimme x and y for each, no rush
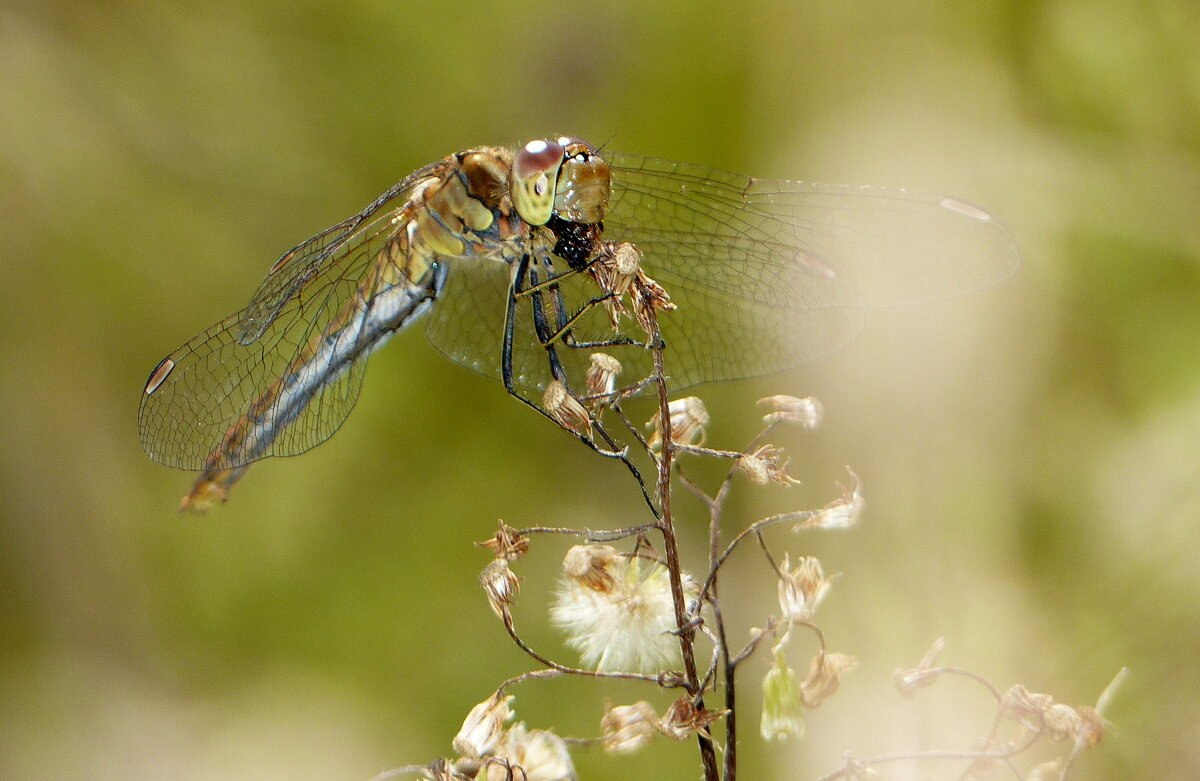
(768, 274)
(306, 261)
(218, 402)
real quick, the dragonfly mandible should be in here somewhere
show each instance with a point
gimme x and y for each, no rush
(489, 244)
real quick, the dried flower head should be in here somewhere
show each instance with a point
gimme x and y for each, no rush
(1025, 706)
(841, 513)
(1084, 726)
(781, 712)
(683, 719)
(824, 677)
(688, 417)
(602, 375)
(481, 730)
(533, 755)
(801, 588)
(618, 271)
(909, 681)
(622, 619)
(500, 584)
(593, 566)
(565, 409)
(507, 543)
(627, 728)
(805, 412)
(766, 465)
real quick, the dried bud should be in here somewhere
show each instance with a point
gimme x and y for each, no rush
(909, 681)
(805, 412)
(764, 465)
(781, 713)
(824, 677)
(539, 754)
(627, 728)
(591, 566)
(1026, 706)
(507, 543)
(801, 589)
(500, 584)
(481, 729)
(602, 374)
(565, 409)
(688, 417)
(841, 513)
(683, 719)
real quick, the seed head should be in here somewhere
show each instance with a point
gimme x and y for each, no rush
(618, 612)
(602, 375)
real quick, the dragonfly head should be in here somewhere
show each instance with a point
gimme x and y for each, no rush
(565, 177)
(582, 190)
(533, 179)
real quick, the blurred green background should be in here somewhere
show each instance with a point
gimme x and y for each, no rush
(1030, 455)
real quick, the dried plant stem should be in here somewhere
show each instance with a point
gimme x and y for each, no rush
(687, 632)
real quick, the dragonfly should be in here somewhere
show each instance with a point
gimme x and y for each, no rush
(512, 256)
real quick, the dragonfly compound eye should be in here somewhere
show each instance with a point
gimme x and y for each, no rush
(534, 174)
(581, 194)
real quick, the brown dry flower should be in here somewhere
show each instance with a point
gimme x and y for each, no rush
(841, 513)
(507, 543)
(482, 729)
(602, 375)
(566, 409)
(766, 465)
(627, 728)
(824, 677)
(683, 719)
(801, 588)
(591, 565)
(806, 412)
(908, 681)
(688, 417)
(500, 584)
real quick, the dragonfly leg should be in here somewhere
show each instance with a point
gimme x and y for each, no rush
(519, 274)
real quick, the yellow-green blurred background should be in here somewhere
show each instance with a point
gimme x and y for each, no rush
(1030, 454)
